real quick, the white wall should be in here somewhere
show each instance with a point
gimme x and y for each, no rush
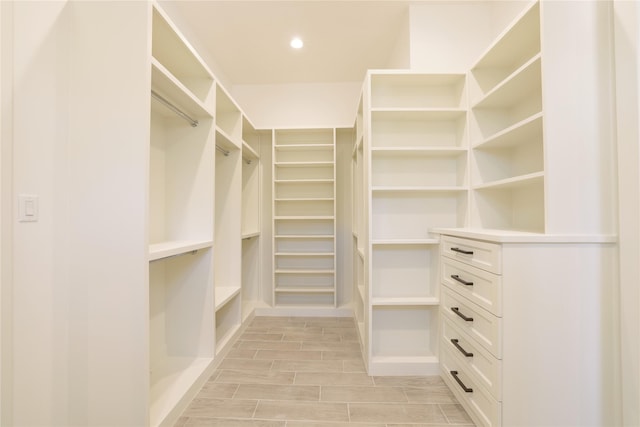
(78, 293)
(299, 105)
(627, 53)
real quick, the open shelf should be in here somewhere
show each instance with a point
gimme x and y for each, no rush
(224, 294)
(391, 89)
(177, 56)
(430, 128)
(172, 248)
(517, 45)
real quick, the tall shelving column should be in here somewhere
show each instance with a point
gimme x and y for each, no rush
(358, 230)
(181, 311)
(417, 179)
(508, 170)
(251, 224)
(304, 213)
(228, 205)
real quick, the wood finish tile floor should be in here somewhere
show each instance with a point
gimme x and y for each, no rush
(308, 372)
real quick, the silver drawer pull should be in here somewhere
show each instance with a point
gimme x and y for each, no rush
(458, 279)
(456, 310)
(466, 389)
(466, 353)
(462, 251)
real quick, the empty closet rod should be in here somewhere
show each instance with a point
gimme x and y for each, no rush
(222, 150)
(175, 109)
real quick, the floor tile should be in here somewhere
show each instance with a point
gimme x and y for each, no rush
(255, 377)
(227, 422)
(246, 364)
(269, 345)
(333, 378)
(278, 392)
(362, 394)
(302, 411)
(432, 394)
(308, 365)
(455, 414)
(289, 355)
(309, 372)
(213, 390)
(390, 413)
(216, 408)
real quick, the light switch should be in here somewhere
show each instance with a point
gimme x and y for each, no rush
(28, 208)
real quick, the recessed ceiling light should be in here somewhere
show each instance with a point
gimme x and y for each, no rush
(296, 43)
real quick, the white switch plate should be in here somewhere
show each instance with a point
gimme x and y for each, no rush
(28, 208)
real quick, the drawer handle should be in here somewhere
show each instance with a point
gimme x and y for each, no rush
(462, 251)
(466, 389)
(456, 310)
(458, 279)
(454, 341)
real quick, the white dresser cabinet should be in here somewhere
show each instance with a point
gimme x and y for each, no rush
(526, 336)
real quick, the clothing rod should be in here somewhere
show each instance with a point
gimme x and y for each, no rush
(173, 108)
(222, 150)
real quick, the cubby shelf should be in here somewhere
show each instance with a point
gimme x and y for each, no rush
(514, 182)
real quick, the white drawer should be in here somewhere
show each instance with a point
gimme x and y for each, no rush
(482, 407)
(479, 286)
(478, 362)
(483, 255)
(477, 322)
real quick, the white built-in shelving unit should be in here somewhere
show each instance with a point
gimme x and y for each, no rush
(506, 130)
(181, 212)
(251, 224)
(410, 170)
(304, 218)
(228, 205)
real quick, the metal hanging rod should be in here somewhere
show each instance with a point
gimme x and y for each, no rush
(173, 108)
(222, 150)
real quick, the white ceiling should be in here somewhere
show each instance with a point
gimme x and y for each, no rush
(249, 40)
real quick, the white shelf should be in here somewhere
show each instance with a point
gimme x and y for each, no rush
(519, 85)
(428, 151)
(250, 234)
(302, 164)
(170, 381)
(303, 147)
(169, 87)
(306, 290)
(249, 153)
(305, 254)
(303, 217)
(226, 141)
(420, 242)
(304, 271)
(180, 247)
(515, 182)
(304, 199)
(302, 181)
(304, 236)
(224, 294)
(524, 130)
(404, 189)
(404, 301)
(418, 114)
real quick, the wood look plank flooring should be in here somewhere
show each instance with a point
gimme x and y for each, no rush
(308, 372)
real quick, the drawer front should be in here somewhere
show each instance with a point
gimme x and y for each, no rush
(483, 255)
(479, 286)
(477, 362)
(478, 323)
(483, 408)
